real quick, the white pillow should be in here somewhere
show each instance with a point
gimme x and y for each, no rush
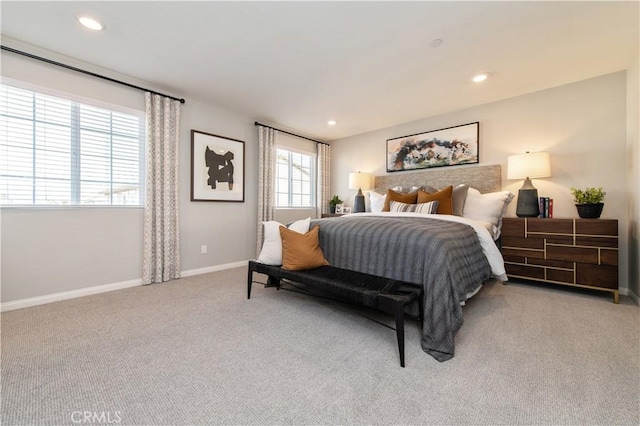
(489, 207)
(271, 253)
(376, 201)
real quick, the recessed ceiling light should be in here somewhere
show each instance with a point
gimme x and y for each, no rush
(90, 23)
(332, 122)
(435, 43)
(480, 77)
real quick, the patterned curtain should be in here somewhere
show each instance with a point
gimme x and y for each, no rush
(324, 178)
(266, 173)
(161, 240)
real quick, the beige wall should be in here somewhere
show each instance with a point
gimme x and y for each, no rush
(633, 150)
(582, 125)
(46, 251)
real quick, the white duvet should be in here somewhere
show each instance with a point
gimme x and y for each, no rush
(489, 247)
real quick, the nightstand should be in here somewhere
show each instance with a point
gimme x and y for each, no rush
(323, 215)
(574, 252)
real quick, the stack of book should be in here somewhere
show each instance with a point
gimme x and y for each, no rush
(546, 207)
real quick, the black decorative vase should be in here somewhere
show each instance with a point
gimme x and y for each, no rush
(332, 208)
(590, 211)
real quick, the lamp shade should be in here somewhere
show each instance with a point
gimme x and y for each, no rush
(359, 180)
(529, 165)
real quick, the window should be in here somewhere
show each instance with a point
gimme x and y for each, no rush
(295, 179)
(56, 151)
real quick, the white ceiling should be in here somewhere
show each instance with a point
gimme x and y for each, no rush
(367, 65)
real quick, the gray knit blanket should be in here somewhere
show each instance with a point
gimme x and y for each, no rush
(444, 257)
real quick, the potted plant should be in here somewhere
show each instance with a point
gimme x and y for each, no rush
(333, 202)
(589, 202)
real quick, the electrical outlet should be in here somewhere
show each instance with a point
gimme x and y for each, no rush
(203, 249)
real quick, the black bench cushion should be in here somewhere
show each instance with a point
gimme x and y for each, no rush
(352, 286)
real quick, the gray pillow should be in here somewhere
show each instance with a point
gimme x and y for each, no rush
(458, 197)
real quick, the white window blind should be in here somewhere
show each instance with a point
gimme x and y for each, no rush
(55, 151)
(295, 179)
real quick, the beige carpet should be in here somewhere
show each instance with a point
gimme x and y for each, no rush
(196, 351)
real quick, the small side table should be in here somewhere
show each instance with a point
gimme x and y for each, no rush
(323, 215)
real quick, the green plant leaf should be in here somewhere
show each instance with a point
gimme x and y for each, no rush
(589, 195)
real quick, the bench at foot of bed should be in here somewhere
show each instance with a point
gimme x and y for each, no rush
(369, 291)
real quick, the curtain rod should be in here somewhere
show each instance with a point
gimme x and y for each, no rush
(49, 61)
(289, 133)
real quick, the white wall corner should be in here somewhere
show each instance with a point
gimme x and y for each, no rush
(629, 293)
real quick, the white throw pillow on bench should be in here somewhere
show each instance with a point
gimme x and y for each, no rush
(271, 253)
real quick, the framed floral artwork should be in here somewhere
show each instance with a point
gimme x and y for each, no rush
(451, 146)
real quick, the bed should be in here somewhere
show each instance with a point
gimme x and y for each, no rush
(449, 256)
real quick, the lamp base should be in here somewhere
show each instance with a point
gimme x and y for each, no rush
(528, 203)
(358, 204)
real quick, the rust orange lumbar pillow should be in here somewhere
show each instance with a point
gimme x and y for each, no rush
(301, 251)
(444, 198)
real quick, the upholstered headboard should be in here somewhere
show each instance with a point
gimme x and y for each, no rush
(483, 178)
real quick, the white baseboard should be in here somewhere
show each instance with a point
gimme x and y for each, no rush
(631, 294)
(56, 297)
(216, 268)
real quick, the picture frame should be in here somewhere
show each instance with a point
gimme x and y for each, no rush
(346, 210)
(451, 146)
(339, 208)
(217, 168)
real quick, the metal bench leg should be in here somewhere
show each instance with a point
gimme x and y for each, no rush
(273, 282)
(249, 281)
(399, 314)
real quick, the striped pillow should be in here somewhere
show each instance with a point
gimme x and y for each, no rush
(427, 208)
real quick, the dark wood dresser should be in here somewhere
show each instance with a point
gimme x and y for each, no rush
(573, 252)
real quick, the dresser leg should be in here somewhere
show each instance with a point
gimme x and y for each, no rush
(616, 299)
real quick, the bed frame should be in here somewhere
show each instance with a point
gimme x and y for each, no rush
(483, 178)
